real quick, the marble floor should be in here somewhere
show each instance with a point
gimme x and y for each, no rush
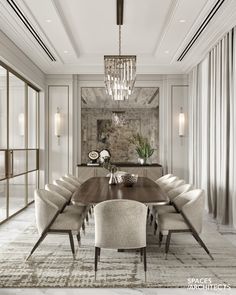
(11, 229)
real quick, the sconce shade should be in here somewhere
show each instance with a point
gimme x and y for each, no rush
(57, 122)
(21, 120)
(181, 123)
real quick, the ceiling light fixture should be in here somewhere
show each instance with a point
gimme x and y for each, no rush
(120, 70)
(166, 51)
(182, 21)
(48, 20)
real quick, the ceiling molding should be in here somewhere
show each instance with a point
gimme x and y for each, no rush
(174, 5)
(201, 29)
(61, 15)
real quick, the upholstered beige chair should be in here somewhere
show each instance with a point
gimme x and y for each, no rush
(74, 208)
(190, 205)
(71, 181)
(172, 194)
(120, 224)
(164, 177)
(172, 185)
(168, 181)
(70, 187)
(50, 220)
(73, 177)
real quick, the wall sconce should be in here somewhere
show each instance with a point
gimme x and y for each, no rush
(21, 121)
(57, 125)
(181, 123)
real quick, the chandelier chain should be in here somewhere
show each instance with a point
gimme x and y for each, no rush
(119, 39)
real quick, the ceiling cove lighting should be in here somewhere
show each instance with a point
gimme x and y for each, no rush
(120, 70)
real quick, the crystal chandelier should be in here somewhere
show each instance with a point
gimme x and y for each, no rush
(120, 73)
(118, 118)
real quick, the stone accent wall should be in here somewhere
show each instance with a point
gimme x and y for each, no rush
(116, 138)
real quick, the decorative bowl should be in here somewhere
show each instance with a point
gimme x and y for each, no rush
(129, 179)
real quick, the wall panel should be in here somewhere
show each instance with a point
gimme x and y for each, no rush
(58, 150)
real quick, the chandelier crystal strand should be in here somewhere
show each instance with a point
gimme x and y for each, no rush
(120, 74)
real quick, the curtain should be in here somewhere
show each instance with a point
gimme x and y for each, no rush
(212, 129)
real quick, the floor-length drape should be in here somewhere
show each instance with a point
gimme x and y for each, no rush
(212, 128)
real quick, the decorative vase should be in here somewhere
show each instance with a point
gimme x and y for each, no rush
(113, 179)
(142, 161)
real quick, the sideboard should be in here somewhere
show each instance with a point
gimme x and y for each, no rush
(152, 171)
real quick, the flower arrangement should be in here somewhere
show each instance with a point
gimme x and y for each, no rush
(142, 146)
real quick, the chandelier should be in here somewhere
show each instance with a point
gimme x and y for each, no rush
(120, 70)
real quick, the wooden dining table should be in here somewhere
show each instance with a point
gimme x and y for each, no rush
(97, 189)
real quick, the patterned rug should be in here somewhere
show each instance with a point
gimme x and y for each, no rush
(52, 264)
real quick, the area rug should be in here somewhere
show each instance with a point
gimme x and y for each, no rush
(52, 264)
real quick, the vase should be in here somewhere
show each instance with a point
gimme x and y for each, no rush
(142, 161)
(113, 179)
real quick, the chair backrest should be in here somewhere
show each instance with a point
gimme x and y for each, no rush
(173, 184)
(55, 198)
(72, 177)
(120, 224)
(60, 190)
(164, 177)
(71, 181)
(168, 181)
(173, 193)
(45, 210)
(193, 209)
(66, 185)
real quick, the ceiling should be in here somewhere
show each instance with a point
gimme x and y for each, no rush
(142, 97)
(79, 33)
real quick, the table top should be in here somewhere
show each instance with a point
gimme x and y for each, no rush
(97, 189)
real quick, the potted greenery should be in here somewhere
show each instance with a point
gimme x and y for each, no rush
(142, 147)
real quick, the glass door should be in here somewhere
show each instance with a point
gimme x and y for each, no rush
(18, 143)
(3, 143)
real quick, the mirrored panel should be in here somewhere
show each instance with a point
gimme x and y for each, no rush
(115, 125)
(32, 160)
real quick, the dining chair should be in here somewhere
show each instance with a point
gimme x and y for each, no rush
(172, 185)
(172, 194)
(71, 181)
(73, 177)
(189, 219)
(49, 219)
(168, 181)
(120, 224)
(74, 208)
(66, 185)
(164, 177)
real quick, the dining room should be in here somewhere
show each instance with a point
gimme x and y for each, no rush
(117, 147)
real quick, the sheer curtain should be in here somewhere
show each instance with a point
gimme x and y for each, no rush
(212, 128)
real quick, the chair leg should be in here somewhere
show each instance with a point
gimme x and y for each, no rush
(96, 262)
(87, 218)
(72, 244)
(83, 227)
(145, 262)
(41, 238)
(155, 228)
(99, 254)
(141, 254)
(151, 219)
(160, 238)
(167, 244)
(78, 238)
(202, 244)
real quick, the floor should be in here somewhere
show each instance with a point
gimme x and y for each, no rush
(15, 226)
